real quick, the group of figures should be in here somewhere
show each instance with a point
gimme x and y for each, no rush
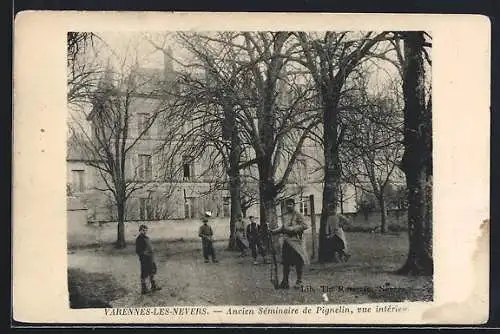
(287, 239)
(253, 237)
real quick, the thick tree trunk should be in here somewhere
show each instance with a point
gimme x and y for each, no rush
(419, 261)
(269, 216)
(331, 169)
(120, 230)
(417, 160)
(262, 210)
(231, 133)
(383, 213)
(270, 213)
(235, 191)
(268, 197)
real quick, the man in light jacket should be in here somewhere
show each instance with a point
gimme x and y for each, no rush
(293, 252)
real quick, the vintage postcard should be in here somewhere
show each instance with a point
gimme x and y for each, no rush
(244, 168)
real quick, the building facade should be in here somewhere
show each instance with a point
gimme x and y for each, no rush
(183, 186)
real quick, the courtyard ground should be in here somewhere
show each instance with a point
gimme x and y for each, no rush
(111, 275)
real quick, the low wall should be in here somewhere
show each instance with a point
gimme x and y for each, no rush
(77, 220)
(106, 233)
(81, 233)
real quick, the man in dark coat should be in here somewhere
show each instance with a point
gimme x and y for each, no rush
(255, 240)
(206, 235)
(144, 250)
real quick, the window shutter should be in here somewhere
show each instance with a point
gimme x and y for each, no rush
(154, 168)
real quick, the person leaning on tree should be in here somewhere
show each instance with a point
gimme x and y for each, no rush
(144, 250)
(240, 234)
(336, 239)
(293, 252)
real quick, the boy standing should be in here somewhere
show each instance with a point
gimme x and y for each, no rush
(206, 235)
(144, 250)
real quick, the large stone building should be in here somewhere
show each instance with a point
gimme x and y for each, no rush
(189, 184)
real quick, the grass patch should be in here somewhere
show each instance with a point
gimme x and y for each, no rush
(92, 290)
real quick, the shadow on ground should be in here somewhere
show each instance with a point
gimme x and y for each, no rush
(92, 290)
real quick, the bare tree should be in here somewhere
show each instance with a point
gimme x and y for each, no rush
(331, 58)
(123, 112)
(372, 147)
(209, 100)
(417, 158)
(82, 70)
(413, 57)
(245, 73)
(276, 129)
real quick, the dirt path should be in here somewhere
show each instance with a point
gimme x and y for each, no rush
(187, 280)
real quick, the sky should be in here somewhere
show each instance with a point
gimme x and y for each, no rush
(127, 46)
(131, 45)
(119, 49)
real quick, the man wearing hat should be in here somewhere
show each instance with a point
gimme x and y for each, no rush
(144, 250)
(254, 235)
(293, 251)
(206, 235)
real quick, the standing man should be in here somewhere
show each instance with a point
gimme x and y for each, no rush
(144, 250)
(293, 251)
(254, 240)
(206, 235)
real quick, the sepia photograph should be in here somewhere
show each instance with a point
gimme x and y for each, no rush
(247, 168)
(250, 168)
